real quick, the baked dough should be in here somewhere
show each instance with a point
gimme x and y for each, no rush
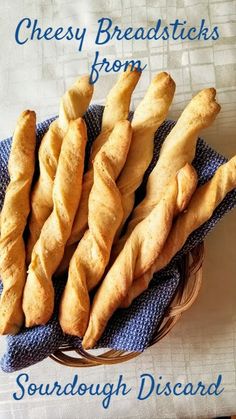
(14, 215)
(148, 117)
(200, 209)
(116, 109)
(91, 257)
(139, 252)
(73, 105)
(38, 299)
(177, 150)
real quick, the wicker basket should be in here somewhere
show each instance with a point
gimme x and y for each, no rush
(187, 291)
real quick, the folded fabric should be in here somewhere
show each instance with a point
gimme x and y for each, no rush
(129, 329)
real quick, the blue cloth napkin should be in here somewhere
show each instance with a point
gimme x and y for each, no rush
(129, 329)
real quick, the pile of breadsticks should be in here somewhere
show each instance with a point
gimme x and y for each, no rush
(71, 221)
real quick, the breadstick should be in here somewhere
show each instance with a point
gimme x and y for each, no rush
(148, 116)
(14, 215)
(38, 298)
(118, 100)
(200, 209)
(73, 105)
(177, 150)
(116, 109)
(90, 259)
(141, 248)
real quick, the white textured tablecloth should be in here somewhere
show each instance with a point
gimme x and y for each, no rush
(203, 343)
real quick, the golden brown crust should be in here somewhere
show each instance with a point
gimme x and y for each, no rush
(177, 150)
(201, 207)
(116, 109)
(148, 116)
(73, 105)
(38, 299)
(118, 99)
(90, 259)
(141, 248)
(13, 221)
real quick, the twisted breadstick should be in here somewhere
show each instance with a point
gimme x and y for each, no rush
(141, 248)
(200, 209)
(38, 299)
(14, 215)
(116, 109)
(90, 259)
(148, 116)
(73, 104)
(177, 150)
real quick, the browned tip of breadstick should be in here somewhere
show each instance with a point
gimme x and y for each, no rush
(158, 97)
(28, 113)
(131, 75)
(164, 82)
(118, 99)
(28, 117)
(203, 107)
(84, 84)
(75, 101)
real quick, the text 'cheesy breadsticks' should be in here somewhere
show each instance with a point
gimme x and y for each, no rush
(91, 257)
(139, 252)
(177, 150)
(73, 105)
(201, 207)
(38, 299)
(14, 215)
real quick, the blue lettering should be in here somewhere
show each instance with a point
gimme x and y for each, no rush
(142, 396)
(167, 389)
(139, 34)
(47, 391)
(80, 38)
(108, 393)
(18, 382)
(97, 391)
(69, 34)
(117, 32)
(82, 389)
(165, 34)
(188, 389)
(154, 30)
(177, 385)
(57, 387)
(58, 32)
(105, 65)
(214, 387)
(47, 32)
(215, 33)
(70, 386)
(104, 31)
(200, 387)
(122, 386)
(18, 28)
(128, 31)
(32, 389)
(192, 30)
(36, 30)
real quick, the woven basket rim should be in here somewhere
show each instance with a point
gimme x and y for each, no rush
(186, 293)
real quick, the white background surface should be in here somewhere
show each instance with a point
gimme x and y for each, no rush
(203, 343)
